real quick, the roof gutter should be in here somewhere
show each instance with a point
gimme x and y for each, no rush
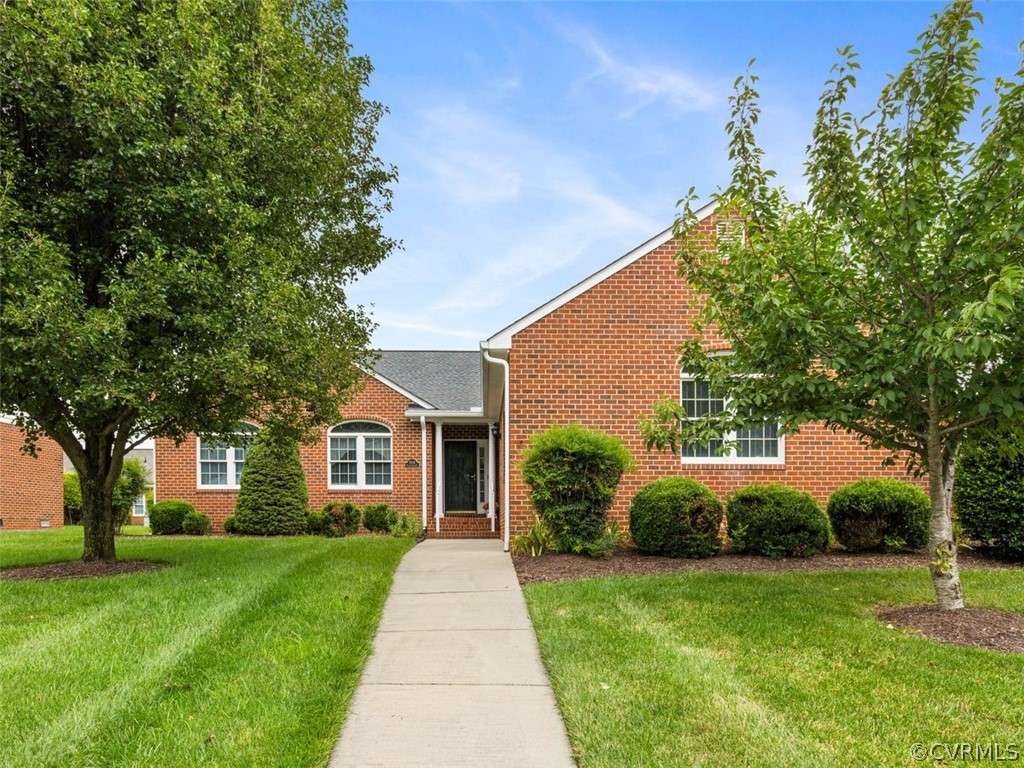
(505, 442)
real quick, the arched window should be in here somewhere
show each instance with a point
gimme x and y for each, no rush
(359, 455)
(222, 457)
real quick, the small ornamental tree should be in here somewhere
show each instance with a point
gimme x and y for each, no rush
(129, 486)
(573, 474)
(272, 496)
(889, 305)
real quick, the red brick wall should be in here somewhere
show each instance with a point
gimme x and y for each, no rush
(176, 465)
(31, 489)
(604, 358)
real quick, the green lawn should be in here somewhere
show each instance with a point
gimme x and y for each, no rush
(771, 669)
(245, 653)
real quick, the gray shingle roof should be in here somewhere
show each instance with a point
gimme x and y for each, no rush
(450, 381)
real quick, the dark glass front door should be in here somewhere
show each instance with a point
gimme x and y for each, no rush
(460, 476)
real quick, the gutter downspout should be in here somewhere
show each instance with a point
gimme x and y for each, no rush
(504, 435)
(423, 469)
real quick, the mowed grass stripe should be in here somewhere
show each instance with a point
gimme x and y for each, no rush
(244, 652)
(768, 669)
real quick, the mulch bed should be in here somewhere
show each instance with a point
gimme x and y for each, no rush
(971, 627)
(628, 562)
(78, 569)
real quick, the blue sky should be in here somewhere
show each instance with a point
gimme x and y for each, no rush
(537, 142)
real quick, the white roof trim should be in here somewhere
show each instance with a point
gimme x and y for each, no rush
(503, 338)
(399, 389)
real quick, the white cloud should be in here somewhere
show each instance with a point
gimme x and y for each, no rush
(642, 85)
(506, 243)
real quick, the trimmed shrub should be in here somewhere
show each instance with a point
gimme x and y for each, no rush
(989, 498)
(573, 474)
(72, 499)
(195, 524)
(777, 521)
(318, 523)
(407, 525)
(677, 517)
(229, 524)
(166, 517)
(344, 517)
(272, 496)
(379, 518)
(880, 515)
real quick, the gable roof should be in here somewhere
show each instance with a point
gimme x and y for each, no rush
(443, 380)
(503, 338)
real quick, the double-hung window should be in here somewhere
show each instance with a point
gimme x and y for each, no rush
(222, 458)
(757, 444)
(359, 455)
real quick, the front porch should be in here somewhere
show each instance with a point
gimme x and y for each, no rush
(464, 499)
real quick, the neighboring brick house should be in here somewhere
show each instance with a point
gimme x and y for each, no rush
(600, 355)
(31, 488)
(415, 411)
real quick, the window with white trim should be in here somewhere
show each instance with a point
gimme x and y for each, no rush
(359, 455)
(760, 444)
(222, 458)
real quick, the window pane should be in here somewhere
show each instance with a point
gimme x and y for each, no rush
(213, 473)
(343, 449)
(344, 473)
(211, 451)
(697, 401)
(378, 473)
(378, 449)
(362, 427)
(761, 441)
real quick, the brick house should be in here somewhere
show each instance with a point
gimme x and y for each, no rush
(31, 488)
(430, 431)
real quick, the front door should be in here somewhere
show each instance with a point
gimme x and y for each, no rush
(460, 476)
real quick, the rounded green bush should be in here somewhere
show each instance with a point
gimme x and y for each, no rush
(344, 517)
(677, 517)
(229, 524)
(880, 515)
(379, 518)
(318, 523)
(272, 496)
(195, 524)
(573, 473)
(72, 499)
(777, 521)
(166, 517)
(989, 498)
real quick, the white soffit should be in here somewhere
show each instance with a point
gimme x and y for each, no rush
(503, 338)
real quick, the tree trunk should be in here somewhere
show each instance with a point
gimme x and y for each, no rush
(101, 467)
(97, 519)
(949, 594)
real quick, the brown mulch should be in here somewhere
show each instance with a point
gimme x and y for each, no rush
(78, 569)
(628, 562)
(971, 627)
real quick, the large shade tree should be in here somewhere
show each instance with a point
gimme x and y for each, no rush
(185, 190)
(888, 304)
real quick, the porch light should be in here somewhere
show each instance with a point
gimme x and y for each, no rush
(495, 430)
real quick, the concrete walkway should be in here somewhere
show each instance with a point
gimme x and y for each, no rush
(455, 678)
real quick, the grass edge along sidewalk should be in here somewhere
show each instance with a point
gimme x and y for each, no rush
(769, 669)
(245, 652)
